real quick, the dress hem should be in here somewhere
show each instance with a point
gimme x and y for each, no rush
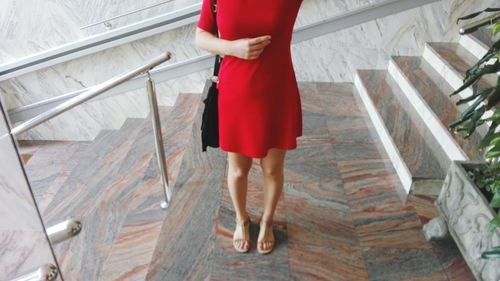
(294, 146)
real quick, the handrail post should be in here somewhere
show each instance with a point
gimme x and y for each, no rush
(160, 153)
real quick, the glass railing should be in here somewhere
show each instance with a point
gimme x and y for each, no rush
(90, 194)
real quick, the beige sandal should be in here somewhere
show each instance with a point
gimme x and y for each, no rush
(261, 242)
(246, 235)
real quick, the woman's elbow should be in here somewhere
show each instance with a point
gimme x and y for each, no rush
(198, 38)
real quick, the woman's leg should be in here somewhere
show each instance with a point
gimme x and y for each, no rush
(237, 181)
(273, 170)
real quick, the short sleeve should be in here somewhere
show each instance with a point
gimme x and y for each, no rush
(207, 21)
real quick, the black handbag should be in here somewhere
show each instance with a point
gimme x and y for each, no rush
(210, 118)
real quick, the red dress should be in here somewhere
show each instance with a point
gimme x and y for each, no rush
(259, 101)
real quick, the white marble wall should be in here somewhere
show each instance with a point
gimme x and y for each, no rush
(371, 44)
(22, 238)
(52, 23)
(335, 58)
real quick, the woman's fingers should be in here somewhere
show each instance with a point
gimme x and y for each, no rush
(250, 48)
(255, 54)
(259, 40)
(259, 46)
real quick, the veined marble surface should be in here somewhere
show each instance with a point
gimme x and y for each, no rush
(22, 237)
(335, 58)
(49, 24)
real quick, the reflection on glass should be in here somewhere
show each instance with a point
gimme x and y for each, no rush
(100, 198)
(25, 248)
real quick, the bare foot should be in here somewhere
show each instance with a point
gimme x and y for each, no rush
(265, 242)
(241, 236)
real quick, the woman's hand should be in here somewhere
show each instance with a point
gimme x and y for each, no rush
(249, 48)
(246, 48)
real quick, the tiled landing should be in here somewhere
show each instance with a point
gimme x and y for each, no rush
(343, 214)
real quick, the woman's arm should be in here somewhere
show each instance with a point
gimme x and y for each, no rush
(246, 48)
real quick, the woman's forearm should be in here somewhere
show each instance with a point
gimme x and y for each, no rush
(210, 43)
(245, 48)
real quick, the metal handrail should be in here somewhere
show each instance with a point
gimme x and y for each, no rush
(473, 26)
(102, 88)
(46, 272)
(125, 14)
(85, 96)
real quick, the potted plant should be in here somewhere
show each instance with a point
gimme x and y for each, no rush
(469, 201)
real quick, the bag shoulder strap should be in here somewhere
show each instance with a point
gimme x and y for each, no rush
(217, 57)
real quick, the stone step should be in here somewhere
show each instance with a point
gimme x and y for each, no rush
(411, 146)
(473, 45)
(93, 172)
(130, 194)
(80, 196)
(139, 215)
(483, 35)
(429, 93)
(50, 166)
(110, 184)
(452, 60)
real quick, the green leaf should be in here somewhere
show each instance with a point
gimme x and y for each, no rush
(492, 253)
(488, 137)
(475, 73)
(473, 15)
(474, 121)
(494, 223)
(482, 92)
(492, 154)
(495, 202)
(495, 138)
(494, 97)
(496, 29)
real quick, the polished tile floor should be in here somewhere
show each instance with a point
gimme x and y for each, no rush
(343, 214)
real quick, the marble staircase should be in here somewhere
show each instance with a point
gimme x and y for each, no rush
(410, 106)
(112, 186)
(345, 212)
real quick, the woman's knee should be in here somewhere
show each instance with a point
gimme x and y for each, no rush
(273, 164)
(239, 172)
(273, 171)
(239, 165)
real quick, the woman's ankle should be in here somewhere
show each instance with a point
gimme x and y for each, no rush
(243, 218)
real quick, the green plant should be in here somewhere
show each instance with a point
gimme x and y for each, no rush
(482, 101)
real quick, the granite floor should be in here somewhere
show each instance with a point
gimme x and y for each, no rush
(343, 214)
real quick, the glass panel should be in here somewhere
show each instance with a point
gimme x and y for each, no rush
(109, 182)
(23, 241)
